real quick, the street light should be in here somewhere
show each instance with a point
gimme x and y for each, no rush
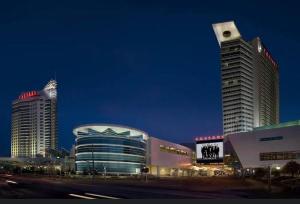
(93, 176)
(270, 174)
(104, 169)
(145, 170)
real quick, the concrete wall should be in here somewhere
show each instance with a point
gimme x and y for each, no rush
(248, 145)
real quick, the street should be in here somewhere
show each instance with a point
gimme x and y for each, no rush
(12, 186)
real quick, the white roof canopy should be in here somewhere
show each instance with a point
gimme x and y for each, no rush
(226, 31)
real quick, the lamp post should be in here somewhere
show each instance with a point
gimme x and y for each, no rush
(270, 175)
(59, 161)
(145, 170)
(93, 175)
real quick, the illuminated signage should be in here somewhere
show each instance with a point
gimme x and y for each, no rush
(209, 149)
(204, 138)
(268, 55)
(28, 95)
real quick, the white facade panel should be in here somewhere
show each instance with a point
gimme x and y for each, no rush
(249, 145)
(158, 156)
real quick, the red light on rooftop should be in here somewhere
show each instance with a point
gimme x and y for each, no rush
(28, 95)
(214, 137)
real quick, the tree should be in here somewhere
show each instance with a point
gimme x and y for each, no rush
(260, 172)
(292, 168)
(276, 173)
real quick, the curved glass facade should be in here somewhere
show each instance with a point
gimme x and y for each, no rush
(110, 149)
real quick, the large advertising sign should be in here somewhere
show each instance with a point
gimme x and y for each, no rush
(209, 150)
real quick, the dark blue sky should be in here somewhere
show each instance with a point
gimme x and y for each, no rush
(153, 65)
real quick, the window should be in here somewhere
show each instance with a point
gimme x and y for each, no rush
(173, 150)
(270, 138)
(268, 156)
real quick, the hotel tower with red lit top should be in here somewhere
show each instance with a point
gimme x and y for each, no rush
(250, 81)
(34, 122)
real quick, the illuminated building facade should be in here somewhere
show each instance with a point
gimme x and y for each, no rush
(110, 149)
(121, 150)
(250, 81)
(264, 146)
(34, 122)
(166, 158)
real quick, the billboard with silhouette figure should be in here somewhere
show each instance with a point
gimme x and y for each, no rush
(209, 151)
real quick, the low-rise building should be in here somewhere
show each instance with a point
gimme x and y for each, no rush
(166, 158)
(120, 150)
(110, 149)
(264, 146)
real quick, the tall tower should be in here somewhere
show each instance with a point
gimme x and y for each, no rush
(250, 90)
(266, 86)
(34, 122)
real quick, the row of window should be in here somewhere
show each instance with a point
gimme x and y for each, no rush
(110, 157)
(173, 150)
(270, 138)
(234, 99)
(238, 87)
(117, 168)
(237, 112)
(229, 109)
(110, 140)
(111, 149)
(236, 70)
(242, 90)
(237, 104)
(267, 156)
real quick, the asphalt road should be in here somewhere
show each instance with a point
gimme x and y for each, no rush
(43, 187)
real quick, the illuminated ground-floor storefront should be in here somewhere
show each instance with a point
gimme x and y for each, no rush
(165, 158)
(161, 171)
(214, 170)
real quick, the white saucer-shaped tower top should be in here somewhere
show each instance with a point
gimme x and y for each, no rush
(51, 89)
(226, 31)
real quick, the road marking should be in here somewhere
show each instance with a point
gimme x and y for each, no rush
(80, 196)
(101, 196)
(9, 181)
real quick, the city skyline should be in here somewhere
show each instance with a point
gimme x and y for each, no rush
(152, 79)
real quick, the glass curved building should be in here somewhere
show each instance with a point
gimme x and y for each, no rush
(110, 149)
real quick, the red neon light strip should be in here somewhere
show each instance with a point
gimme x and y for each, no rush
(28, 94)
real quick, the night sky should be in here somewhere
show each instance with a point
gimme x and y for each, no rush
(152, 65)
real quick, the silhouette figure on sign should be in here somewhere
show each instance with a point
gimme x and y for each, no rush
(210, 151)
